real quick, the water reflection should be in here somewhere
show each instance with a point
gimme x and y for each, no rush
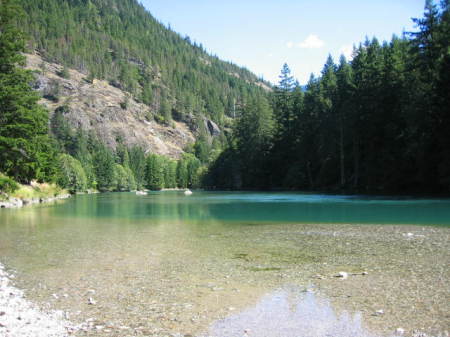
(290, 313)
(235, 207)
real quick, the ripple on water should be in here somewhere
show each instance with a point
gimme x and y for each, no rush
(290, 313)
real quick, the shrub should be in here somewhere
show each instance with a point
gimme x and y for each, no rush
(71, 174)
(124, 178)
(8, 185)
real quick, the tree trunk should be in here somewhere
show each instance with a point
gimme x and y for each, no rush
(341, 148)
(310, 178)
(356, 162)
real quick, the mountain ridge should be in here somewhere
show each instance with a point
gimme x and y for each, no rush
(122, 43)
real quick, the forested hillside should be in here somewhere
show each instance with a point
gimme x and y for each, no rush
(80, 142)
(377, 123)
(118, 40)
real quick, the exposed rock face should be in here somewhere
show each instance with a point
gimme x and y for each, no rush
(212, 127)
(106, 110)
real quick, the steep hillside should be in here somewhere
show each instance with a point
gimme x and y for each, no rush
(106, 111)
(120, 42)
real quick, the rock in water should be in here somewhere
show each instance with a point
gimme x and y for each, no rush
(400, 331)
(342, 274)
(188, 192)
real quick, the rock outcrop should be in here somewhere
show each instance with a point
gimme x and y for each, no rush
(212, 127)
(106, 110)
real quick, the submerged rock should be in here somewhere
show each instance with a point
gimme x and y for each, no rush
(400, 331)
(342, 274)
(378, 313)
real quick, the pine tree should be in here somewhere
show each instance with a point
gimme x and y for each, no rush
(104, 166)
(25, 149)
(253, 134)
(137, 165)
(154, 172)
(343, 107)
(287, 82)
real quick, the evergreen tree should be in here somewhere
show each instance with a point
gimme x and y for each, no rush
(182, 174)
(344, 78)
(104, 167)
(154, 172)
(137, 165)
(254, 130)
(25, 148)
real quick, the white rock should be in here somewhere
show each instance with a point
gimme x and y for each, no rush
(188, 192)
(342, 274)
(400, 331)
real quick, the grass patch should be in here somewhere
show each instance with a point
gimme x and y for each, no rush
(38, 190)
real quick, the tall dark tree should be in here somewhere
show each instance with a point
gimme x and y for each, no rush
(343, 109)
(25, 148)
(253, 132)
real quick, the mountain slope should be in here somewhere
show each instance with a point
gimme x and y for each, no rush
(106, 111)
(120, 42)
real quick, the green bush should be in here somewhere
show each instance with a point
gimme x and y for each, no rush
(8, 185)
(124, 178)
(71, 174)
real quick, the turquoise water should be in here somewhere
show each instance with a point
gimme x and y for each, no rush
(213, 261)
(254, 208)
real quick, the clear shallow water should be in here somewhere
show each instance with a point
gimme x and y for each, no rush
(290, 313)
(259, 207)
(165, 263)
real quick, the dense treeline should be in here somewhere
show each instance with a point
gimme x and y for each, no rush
(29, 150)
(377, 123)
(118, 40)
(87, 164)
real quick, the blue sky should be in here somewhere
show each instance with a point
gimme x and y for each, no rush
(263, 34)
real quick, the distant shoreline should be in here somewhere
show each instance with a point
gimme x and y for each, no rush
(21, 202)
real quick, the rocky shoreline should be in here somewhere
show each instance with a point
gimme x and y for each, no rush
(18, 203)
(20, 317)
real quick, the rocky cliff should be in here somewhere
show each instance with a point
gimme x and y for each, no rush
(107, 111)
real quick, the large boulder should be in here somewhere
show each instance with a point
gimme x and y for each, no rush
(212, 127)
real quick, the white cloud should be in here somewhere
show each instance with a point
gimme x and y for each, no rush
(347, 51)
(311, 42)
(290, 44)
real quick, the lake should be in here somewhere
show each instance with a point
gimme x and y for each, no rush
(165, 263)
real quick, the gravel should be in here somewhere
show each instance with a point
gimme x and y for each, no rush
(21, 318)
